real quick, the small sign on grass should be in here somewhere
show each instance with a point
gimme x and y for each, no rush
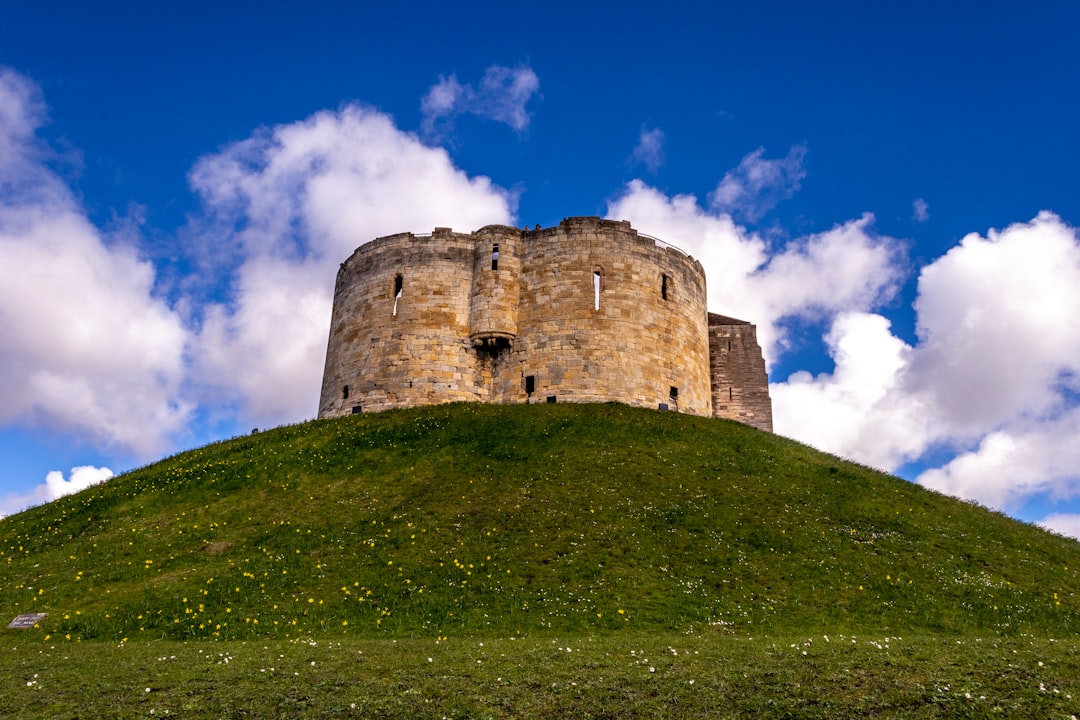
(26, 621)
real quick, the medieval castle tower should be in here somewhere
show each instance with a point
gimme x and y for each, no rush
(588, 311)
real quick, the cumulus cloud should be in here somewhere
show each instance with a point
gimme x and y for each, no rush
(649, 150)
(920, 211)
(847, 268)
(1015, 463)
(55, 486)
(759, 184)
(993, 376)
(994, 373)
(86, 346)
(292, 202)
(997, 333)
(81, 478)
(502, 95)
(859, 410)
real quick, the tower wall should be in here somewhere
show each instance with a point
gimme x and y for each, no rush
(636, 346)
(587, 311)
(740, 383)
(399, 333)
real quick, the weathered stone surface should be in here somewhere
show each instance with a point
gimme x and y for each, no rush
(587, 311)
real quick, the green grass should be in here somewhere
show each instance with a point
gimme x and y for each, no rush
(434, 527)
(641, 675)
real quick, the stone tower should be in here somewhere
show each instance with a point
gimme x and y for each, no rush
(587, 311)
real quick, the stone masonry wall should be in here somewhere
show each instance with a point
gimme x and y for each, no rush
(740, 384)
(399, 333)
(636, 346)
(587, 311)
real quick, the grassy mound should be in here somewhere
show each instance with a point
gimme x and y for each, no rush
(505, 521)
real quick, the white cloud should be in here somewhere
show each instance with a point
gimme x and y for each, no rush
(55, 486)
(1024, 459)
(502, 96)
(759, 184)
(650, 149)
(859, 410)
(997, 327)
(920, 211)
(293, 202)
(85, 345)
(81, 478)
(1067, 524)
(994, 373)
(847, 268)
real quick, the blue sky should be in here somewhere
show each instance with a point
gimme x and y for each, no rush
(888, 192)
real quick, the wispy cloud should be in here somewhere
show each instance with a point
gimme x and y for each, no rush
(649, 150)
(759, 184)
(920, 210)
(501, 95)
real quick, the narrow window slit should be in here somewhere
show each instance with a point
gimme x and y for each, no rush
(597, 282)
(345, 393)
(399, 286)
(664, 287)
(495, 256)
(530, 384)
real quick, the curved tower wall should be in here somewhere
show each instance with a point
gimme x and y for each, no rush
(527, 330)
(399, 333)
(636, 346)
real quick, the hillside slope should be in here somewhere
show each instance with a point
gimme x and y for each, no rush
(524, 519)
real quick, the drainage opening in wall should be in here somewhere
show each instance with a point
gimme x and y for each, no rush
(356, 410)
(551, 398)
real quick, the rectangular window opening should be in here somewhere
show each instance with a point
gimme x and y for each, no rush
(664, 287)
(673, 393)
(731, 393)
(345, 393)
(530, 384)
(495, 256)
(597, 282)
(399, 286)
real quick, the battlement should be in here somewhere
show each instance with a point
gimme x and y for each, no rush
(589, 310)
